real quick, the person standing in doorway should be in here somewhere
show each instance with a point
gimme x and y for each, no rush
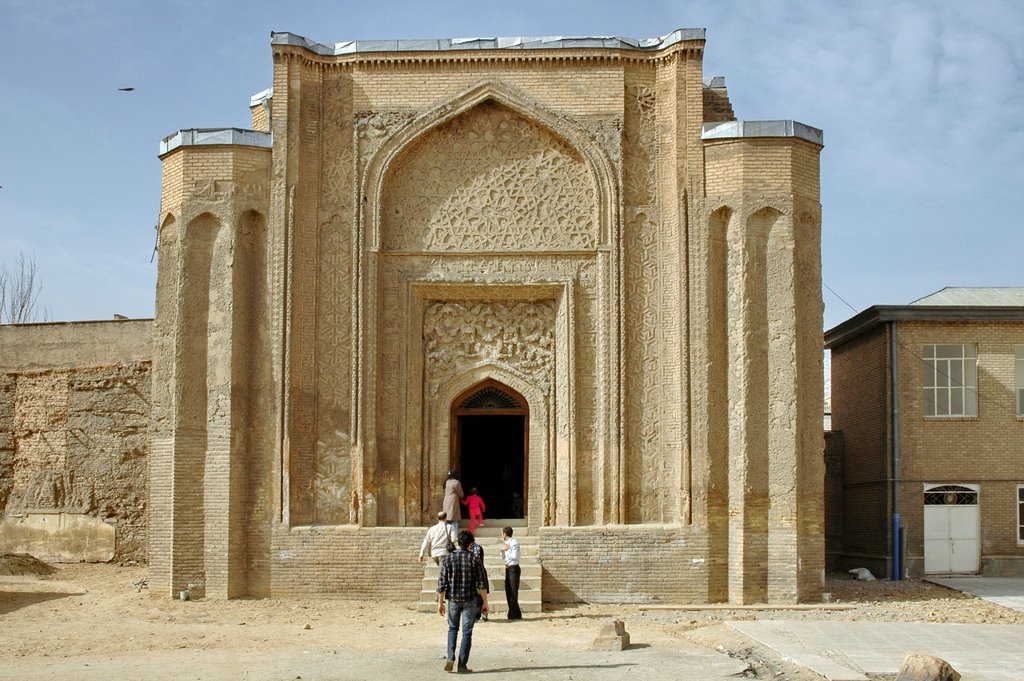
(510, 554)
(438, 539)
(452, 496)
(460, 580)
(517, 505)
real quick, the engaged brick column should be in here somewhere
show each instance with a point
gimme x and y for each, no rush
(763, 191)
(211, 289)
(748, 407)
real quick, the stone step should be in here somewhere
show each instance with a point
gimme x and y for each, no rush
(530, 570)
(528, 580)
(493, 559)
(495, 602)
(497, 606)
(497, 582)
(489, 537)
(489, 540)
(493, 528)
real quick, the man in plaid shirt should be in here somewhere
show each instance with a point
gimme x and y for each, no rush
(462, 578)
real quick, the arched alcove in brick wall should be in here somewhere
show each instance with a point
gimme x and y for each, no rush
(196, 329)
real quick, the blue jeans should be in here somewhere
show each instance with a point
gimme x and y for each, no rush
(466, 612)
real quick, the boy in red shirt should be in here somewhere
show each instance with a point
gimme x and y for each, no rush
(476, 509)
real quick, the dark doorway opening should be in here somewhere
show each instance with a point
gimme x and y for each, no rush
(489, 426)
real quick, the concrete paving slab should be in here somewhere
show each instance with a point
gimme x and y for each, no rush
(848, 651)
(639, 663)
(1006, 591)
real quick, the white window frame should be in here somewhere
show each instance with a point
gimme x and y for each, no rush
(1018, 352)
(949, 380)
(1020, 514)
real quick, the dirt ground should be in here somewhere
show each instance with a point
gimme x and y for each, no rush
(87, 621)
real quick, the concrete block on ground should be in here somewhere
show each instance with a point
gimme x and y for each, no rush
(613, 636)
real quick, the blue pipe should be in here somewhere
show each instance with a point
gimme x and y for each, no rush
(896, 571)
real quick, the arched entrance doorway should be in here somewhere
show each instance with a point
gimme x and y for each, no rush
(489, 426)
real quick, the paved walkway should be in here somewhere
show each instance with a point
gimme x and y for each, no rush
(492, 660)
(846, 651)
(1006, 591)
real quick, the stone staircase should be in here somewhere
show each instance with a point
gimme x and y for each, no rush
(489, 538)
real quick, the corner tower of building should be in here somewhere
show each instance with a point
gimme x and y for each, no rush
(557, 266)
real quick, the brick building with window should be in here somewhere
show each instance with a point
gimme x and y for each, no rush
(929, 401)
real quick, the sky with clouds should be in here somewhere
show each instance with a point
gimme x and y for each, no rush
(921, 103)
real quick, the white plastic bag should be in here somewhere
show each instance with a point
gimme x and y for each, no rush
(862, 573)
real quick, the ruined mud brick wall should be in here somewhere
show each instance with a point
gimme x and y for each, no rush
(75, 439)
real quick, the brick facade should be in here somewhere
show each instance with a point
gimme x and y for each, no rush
(986, 450)
(561, 222)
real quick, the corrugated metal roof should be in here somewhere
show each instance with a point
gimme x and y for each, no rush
(954, 295)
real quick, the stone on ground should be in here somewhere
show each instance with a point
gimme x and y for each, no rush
(613, 636)
(918, 667)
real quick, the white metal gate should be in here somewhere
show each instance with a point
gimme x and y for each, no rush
(952, 529)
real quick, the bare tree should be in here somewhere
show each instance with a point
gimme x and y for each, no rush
(19, 292)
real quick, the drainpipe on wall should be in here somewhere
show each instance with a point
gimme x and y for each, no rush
(895, 416)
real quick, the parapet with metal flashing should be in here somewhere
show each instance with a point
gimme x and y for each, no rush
(210, 136)
(738, 129)
(513, 43)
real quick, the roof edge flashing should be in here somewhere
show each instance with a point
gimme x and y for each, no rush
(261, 98)
(195, 137)
(511, 43)
(866, 320)
(747, 129)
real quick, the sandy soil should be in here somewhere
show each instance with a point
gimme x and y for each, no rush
(101, 621)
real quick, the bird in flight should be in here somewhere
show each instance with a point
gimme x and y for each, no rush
(126, 89)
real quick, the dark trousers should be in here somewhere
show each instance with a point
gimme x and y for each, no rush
(512, 573)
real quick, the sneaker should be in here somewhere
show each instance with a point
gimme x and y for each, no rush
(449, 665)
(463, 669)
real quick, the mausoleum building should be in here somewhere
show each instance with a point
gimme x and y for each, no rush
(559, 266)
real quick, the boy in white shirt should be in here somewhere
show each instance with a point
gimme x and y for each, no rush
(510, 554)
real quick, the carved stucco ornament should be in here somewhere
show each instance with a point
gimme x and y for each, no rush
(461, 335)
(489, 181)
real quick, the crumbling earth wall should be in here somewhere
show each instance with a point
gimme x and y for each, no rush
(74, 437)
